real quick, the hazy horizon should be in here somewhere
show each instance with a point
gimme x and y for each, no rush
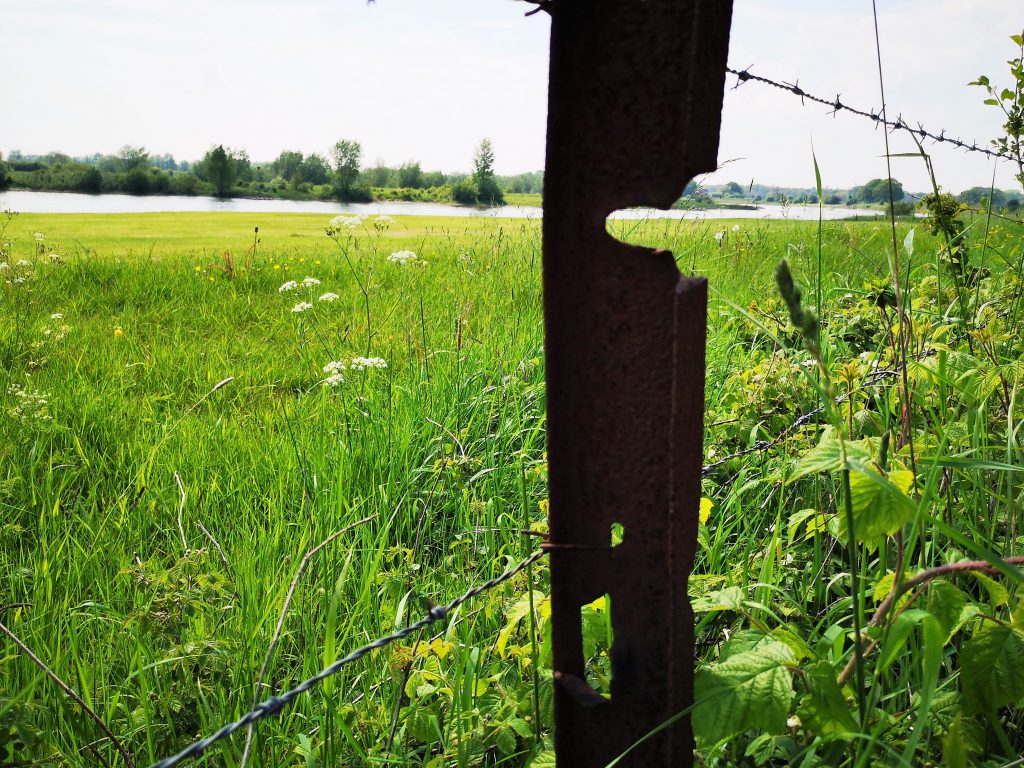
(411, 82)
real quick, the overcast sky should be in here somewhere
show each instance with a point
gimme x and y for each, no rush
(426, 79)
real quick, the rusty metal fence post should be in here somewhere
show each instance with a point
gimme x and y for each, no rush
(635, 98)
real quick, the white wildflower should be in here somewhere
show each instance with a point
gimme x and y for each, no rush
(384, 219)
(334, 371)
(302, 306)
(344, 224)
(309, 282)
(329, 297)
(362, 363)
(793, 722)
(334, 380)
(57, 316)
(402, 258)
(17, 281)
(291, 285)
(22, 263)
(719, 236)
(39, 236)
(4, 266)
(735, 227)
(55, 258)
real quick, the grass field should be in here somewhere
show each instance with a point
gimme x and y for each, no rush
(154, 517)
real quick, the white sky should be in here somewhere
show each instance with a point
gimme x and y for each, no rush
(426, 79)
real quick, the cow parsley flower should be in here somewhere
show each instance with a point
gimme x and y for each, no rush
(57, 316)
(39, 236)
(335, 373)
(362, 363)
(309, 282)
(4, 266)
(291, 285)
(22, 263)
(302, 306)
(402, 258)
(329, 297)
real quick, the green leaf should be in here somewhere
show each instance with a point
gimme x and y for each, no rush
(955, 747)
(728, 599)
(997, 594)
(992, 668)
(827, 456)
(824, 710)
(545, 759)
(992, 102)
(424, 726)
(1006, 95)
(751, 689)
(505, 741)
(946, 603)
(880, 504)
(897, 634)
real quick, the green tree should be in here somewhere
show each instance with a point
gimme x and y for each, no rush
(314, 170)
(131, 158)
(410, 175)
(877, 191)
(5, 180)
(734, 189)
(346, 155)
(218, 168)
(487, 188)
(287, 164)
(90, 181)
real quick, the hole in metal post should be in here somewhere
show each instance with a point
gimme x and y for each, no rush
(596, 619)
(617, 533)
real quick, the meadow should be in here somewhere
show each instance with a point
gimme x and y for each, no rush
(180, 427)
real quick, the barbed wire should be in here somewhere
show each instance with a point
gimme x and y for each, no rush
(836, 104)
(275, 704)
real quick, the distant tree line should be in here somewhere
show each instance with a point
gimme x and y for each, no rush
(227, 172)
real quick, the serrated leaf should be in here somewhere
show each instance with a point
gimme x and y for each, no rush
(545, 759)
(992, 668)
(946, 603)
(751, 689)
(505, 741)
(827, 456)
(997, 594)
(823, 709)
(728, 599)
(880, 504)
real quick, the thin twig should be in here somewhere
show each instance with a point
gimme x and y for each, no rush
(71, 694)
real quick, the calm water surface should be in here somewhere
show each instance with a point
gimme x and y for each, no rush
(70, 202)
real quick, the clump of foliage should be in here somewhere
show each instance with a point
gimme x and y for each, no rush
(1011, 102)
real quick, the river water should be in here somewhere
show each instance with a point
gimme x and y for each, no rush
(70, 202)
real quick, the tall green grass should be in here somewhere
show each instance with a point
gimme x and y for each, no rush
(157, 602)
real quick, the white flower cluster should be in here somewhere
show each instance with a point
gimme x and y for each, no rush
(344, 225)
(4, 266)
(29, 404)
(291, 285)
(329, 297)
(23, 263)
(335, 373)
(362, 363)
(302, 306)
(402, 258)
(309, 282)
(39, 236)
(55, 258)
(382, 222)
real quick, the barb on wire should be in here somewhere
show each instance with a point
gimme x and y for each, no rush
(836, 105)
(275, 704)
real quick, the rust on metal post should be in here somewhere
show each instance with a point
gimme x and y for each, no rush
(635, 98)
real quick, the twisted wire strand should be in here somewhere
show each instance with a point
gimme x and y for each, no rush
(275, 704)
(836, 104)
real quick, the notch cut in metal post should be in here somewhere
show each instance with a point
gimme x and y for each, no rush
(635, 98)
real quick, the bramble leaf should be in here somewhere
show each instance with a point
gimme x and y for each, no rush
(823, 709)
(750, 689)
(992, 668)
